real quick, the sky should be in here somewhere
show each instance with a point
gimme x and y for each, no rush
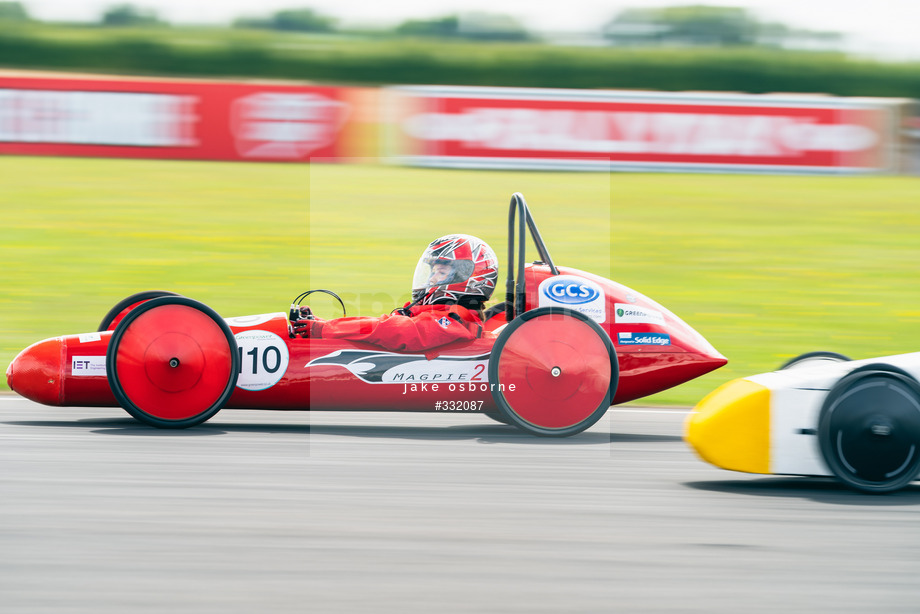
(877, 27)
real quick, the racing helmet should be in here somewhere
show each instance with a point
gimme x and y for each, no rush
(455, 269)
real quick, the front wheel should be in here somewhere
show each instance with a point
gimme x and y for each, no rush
(553, 372)
(869, 429)
(172, 362)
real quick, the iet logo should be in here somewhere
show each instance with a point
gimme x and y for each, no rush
(82, 366)
(570, 292)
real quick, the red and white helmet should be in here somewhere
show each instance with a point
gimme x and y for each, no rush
(457, 269)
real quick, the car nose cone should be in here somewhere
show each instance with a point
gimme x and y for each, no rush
(730, 427)
(36, 372)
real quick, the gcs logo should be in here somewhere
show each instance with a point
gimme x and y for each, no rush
(570, 292)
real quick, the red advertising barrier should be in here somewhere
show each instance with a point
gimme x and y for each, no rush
(609, 130)
(91, 115)
(67, 115)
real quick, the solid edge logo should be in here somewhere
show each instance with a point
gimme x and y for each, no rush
(643, 339)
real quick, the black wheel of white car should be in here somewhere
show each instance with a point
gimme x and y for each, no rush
(813, 359)
(869, 429)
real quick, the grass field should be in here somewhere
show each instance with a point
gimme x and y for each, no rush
(765, 267)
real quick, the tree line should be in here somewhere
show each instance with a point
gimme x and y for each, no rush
(669, 26)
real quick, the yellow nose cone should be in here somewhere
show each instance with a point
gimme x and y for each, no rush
(730, 428)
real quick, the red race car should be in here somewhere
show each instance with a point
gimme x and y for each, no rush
(565, 346)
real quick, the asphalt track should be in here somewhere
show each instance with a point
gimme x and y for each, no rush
(334, 512)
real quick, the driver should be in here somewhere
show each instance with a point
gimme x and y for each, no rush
(453, 279)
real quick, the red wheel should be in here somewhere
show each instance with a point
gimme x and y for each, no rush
(553, 372)
(122, 307)
(172, 362)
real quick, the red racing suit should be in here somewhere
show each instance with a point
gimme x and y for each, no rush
(427, 327)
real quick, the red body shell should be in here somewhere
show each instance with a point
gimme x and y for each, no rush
(655, 350)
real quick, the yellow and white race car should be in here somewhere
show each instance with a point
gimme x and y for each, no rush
(821, 414)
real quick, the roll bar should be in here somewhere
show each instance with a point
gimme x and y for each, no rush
(515, 293)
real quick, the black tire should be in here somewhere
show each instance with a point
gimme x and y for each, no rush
(513, 333)
(126, 302)
(207, 388)
(869, 429)
(813, 359)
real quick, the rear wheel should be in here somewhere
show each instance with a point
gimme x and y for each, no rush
(172, 362)
(122, 307)
(869, 429)
(553, 372)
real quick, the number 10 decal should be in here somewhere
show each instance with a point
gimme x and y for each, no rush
(263, 359)
(272, 351)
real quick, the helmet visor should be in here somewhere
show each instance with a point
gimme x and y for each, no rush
(432, 273)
